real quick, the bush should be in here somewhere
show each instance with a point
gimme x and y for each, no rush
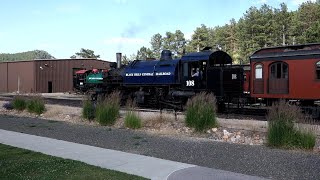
(36, 105)
(19, 103)
(281, 127)
(88, 110)
(107, 111)
(201, 112)
(132, 120)
(308, 140)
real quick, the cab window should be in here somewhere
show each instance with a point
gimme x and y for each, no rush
(185, 70)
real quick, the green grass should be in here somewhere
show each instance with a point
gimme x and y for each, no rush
(16, 163)
(201, 112)
(36, 105)
(282, 131)
(19, 103)
(107, 111)
(88, 110)
(132, 120)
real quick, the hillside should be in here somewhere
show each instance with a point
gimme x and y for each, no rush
(29, 55)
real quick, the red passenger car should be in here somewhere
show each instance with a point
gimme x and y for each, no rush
(287, 72)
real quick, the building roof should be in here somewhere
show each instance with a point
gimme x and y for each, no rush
(53, 60)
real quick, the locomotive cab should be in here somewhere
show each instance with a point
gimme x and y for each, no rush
(211, 71)
(194, 74)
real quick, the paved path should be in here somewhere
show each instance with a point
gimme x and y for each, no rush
(258, 161)
(149, 167)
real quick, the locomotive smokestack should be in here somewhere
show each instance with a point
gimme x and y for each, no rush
(119, 56)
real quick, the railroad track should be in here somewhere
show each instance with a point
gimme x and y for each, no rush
(234, 113)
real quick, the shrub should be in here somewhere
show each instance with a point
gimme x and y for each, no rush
(308, 140)
(107, 111)
(36, 105)
(281, 127)
(201, 112)
(132, 120)
(7, 106)
(88, 110)
(19, 103)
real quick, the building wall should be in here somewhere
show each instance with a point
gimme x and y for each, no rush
(3, 77)
(35, 75)
(20, 77)
(60, 73)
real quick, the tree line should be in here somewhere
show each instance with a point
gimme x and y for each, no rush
(257, 28)
(40, 54)
(36, 54)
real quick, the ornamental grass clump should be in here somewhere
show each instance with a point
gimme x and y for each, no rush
(36, 105)
(88, 110)
(132, 120)
(19, 103)
(201, 112)
(283, 127)
(107, 111)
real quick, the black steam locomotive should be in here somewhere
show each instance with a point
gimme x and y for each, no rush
(170, 82)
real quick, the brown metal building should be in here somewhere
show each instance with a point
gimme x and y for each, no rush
(44, 76)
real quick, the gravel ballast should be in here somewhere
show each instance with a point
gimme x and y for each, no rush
(252, 160)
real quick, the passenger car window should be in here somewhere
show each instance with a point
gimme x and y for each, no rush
(258, 71)
(279, 70)
(318, 69)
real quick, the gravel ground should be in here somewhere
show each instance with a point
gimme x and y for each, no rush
(230, 130)
(246, 159)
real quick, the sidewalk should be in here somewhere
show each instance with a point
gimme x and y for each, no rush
(149, 167)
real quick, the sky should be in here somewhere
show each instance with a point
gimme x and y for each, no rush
(63, 27)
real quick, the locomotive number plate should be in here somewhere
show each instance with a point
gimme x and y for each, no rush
(234, 76)
(190, 83)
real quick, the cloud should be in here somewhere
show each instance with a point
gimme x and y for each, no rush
(68, 8)
(262, 1)
(124, 40)
(132, 30)
(121, 1)
(298, 2)
(188, 35)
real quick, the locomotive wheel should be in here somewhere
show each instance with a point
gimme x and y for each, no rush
(221, 107)
(94, 97)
